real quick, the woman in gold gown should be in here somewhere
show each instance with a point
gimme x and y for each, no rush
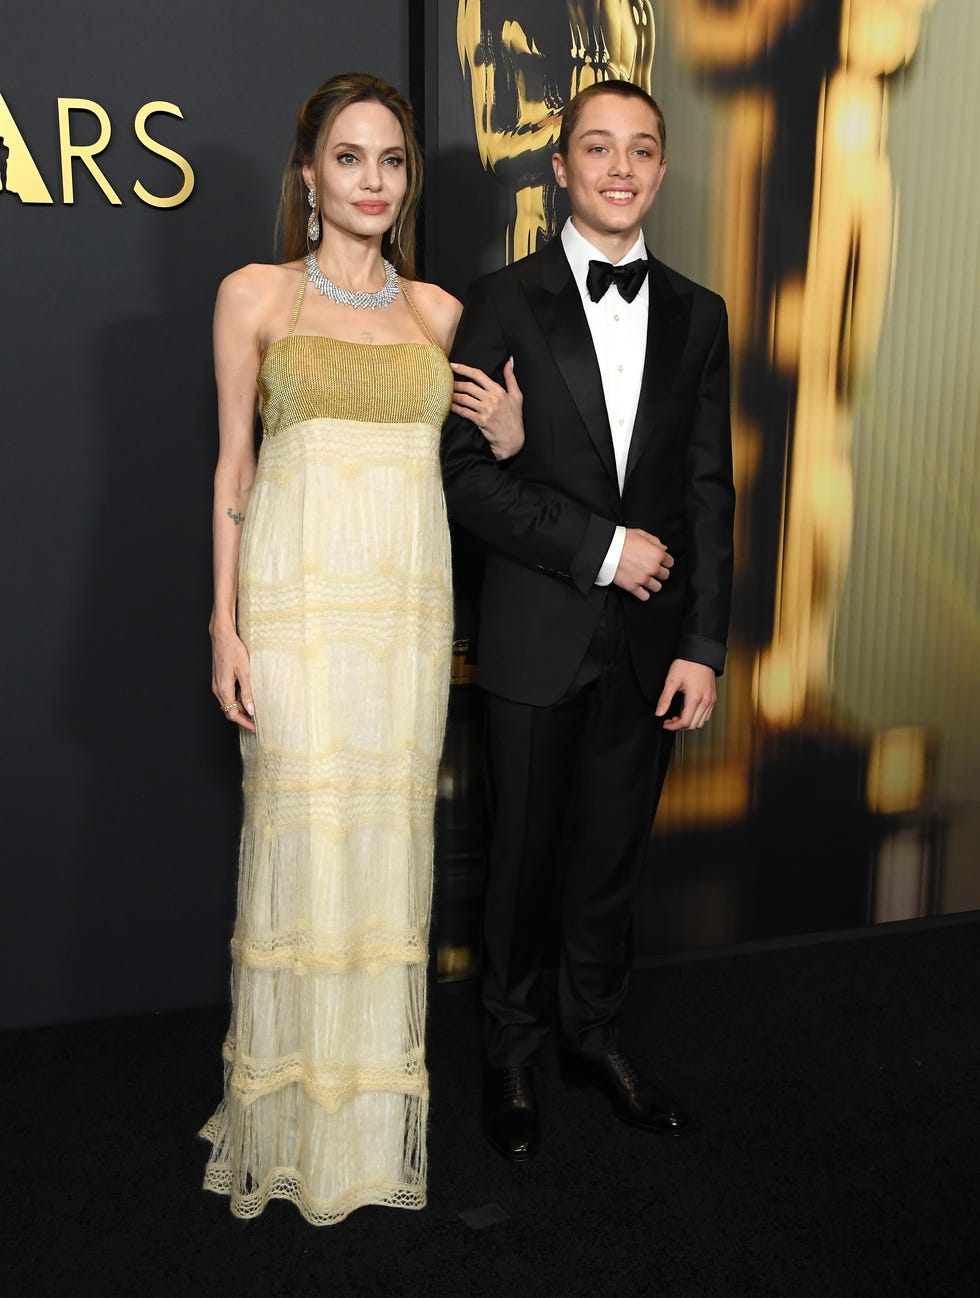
(332, 631)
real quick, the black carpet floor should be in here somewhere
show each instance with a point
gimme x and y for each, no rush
(837, 1152)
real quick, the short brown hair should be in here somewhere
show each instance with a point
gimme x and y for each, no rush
(625, 90)
(313, 124)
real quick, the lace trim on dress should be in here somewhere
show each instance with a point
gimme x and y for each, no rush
(302, 953)
(329, 1083)
(288, 1183)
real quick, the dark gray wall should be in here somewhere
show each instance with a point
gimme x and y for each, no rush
(120, 788)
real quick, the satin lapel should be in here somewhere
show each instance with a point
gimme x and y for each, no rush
(556, 304)
(668, 322)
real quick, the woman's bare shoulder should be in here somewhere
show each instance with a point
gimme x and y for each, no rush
(439, 309)
(259, 283)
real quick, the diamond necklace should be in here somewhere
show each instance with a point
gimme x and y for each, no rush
(385, 295)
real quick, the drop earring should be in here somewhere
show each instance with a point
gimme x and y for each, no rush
(313, 225)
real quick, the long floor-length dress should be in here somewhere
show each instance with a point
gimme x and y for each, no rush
(345, 606)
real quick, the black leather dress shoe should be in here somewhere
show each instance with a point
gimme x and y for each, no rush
(510, 1113)
(640, 1101)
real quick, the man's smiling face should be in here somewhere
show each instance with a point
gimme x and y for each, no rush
(613, 170)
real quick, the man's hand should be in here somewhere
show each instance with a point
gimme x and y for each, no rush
(697, 683)
(644, 564)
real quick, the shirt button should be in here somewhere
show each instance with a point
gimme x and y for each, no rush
(621, 423)
(619, 369)
(615, 317)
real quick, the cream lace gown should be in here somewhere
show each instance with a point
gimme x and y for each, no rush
(345, 606)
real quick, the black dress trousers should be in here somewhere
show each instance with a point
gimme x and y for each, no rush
(573, 788)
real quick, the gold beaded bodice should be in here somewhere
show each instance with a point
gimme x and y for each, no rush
(311, 376)
(308, 376)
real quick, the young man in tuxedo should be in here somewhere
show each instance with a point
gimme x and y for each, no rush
(605, 600)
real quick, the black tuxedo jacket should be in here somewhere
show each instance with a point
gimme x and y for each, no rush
(547, 516)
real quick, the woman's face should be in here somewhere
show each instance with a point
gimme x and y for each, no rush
(362, 179)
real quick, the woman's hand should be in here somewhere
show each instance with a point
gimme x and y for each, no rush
(231, 679)
(498, 412)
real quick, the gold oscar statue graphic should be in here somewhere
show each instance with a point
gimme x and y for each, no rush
(524, 62)
(19, 174)
(807, 291)
(817, 321)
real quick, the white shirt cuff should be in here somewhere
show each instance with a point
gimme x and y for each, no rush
(613, 555)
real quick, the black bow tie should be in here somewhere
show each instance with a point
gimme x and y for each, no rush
(627, 278)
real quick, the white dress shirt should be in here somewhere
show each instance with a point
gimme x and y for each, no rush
(619, 335)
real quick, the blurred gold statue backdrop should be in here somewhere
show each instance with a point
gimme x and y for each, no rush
(820, 178)
(524, 62)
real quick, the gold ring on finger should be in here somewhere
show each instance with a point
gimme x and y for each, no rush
(227, 707)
